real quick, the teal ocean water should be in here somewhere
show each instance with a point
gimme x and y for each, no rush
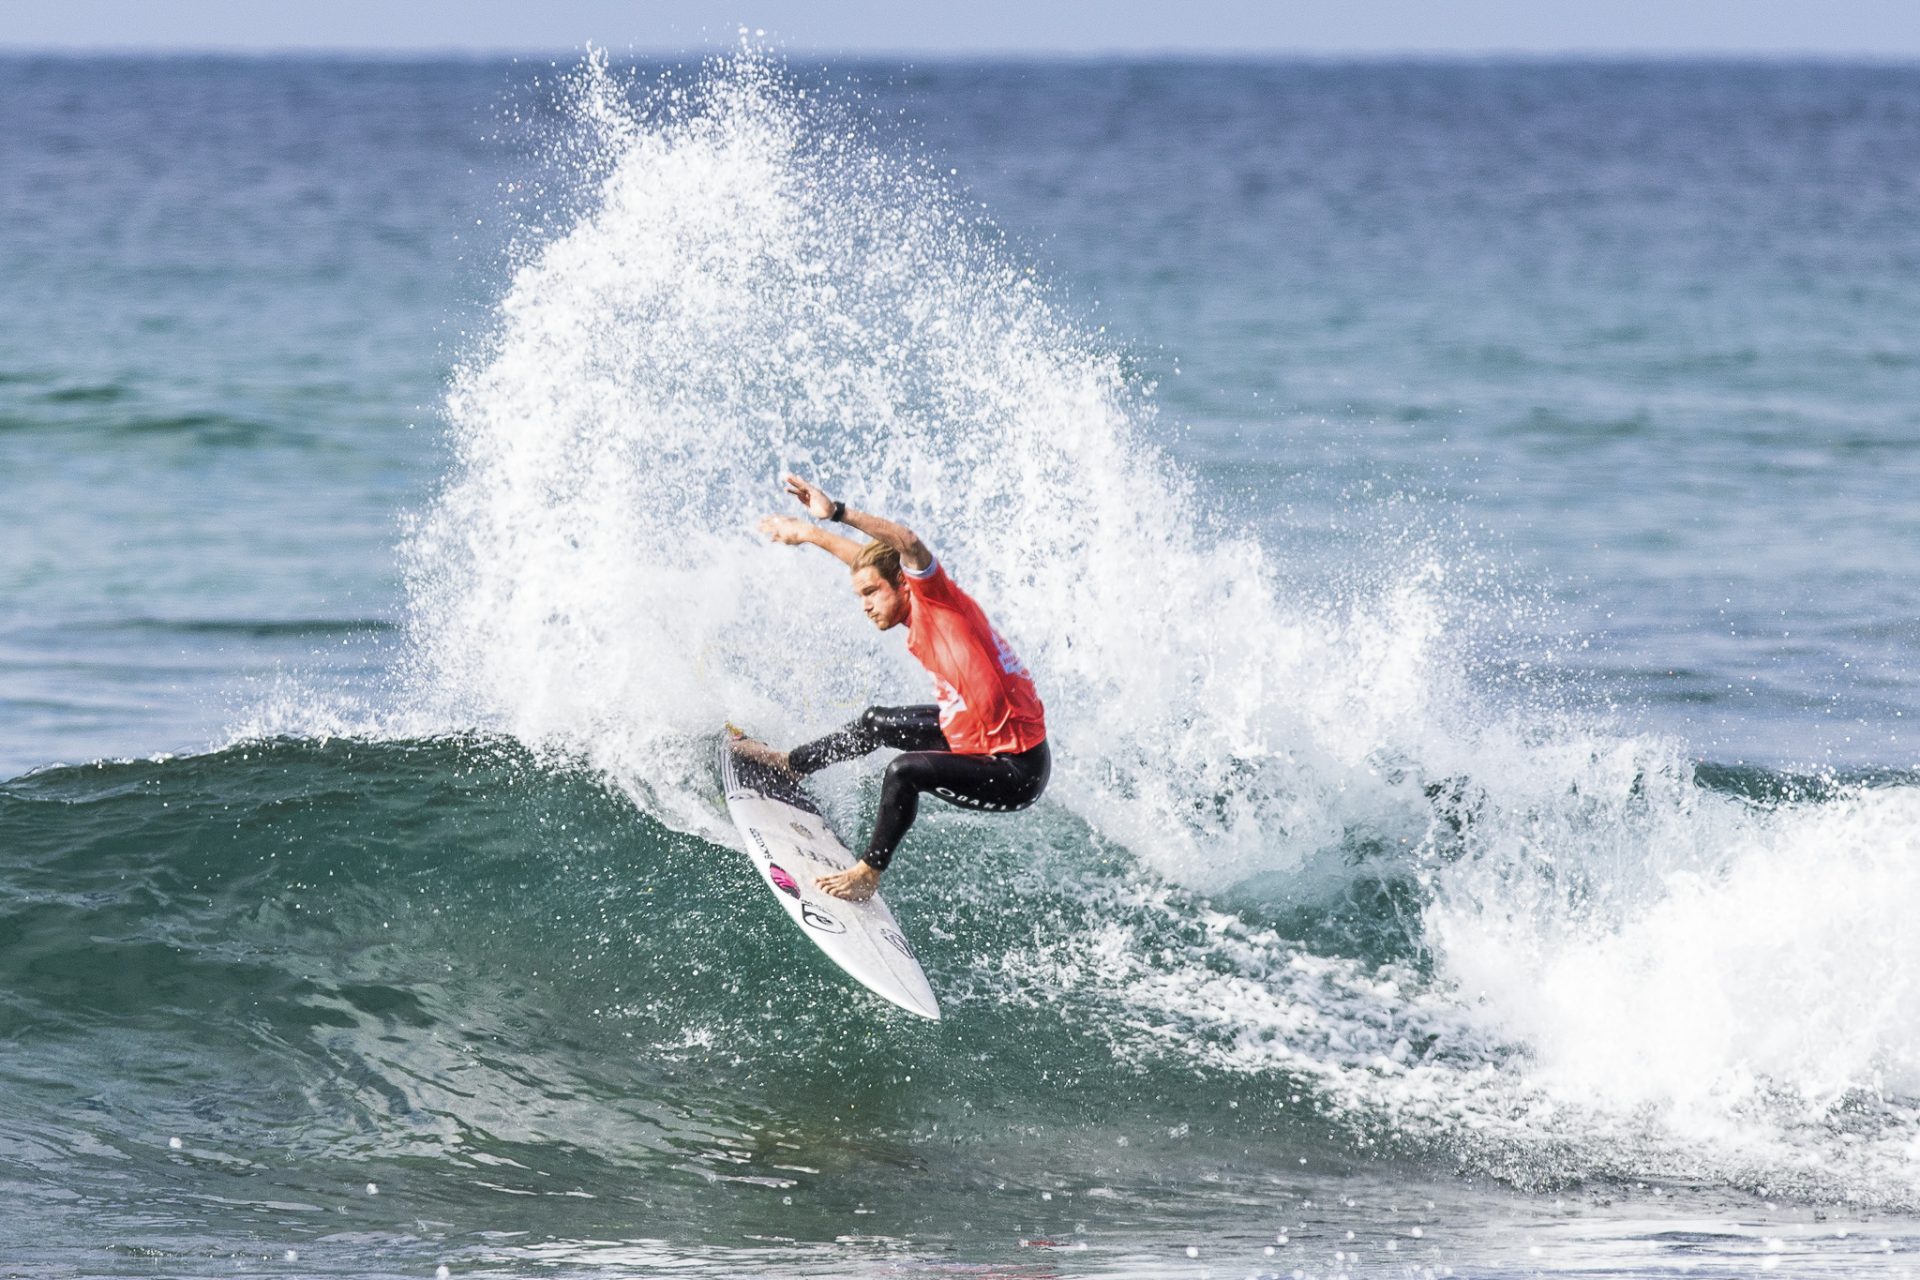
(1460, 517)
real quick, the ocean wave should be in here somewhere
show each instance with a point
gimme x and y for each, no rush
(455, 946)
(1547, 912)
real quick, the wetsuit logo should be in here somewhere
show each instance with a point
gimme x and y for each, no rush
(782, 881)
(819, 919)
(974, 802)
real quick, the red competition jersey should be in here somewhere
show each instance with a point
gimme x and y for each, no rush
(988, 705)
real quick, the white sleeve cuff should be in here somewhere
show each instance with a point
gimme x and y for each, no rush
(932, 566)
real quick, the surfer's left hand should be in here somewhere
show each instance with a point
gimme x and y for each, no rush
(856, 884)
(817, 503)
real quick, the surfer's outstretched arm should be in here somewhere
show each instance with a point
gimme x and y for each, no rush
(914, 555)
(796, 532)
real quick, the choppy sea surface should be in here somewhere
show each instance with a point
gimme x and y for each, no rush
(1461, 517)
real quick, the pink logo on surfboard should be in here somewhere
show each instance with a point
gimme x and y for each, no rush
(782, 881)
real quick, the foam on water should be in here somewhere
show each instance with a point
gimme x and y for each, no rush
(1748, 981)
(1630, 974)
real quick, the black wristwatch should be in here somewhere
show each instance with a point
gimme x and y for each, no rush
(839, 513)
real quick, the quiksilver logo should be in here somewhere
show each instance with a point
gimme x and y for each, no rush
(819, 919)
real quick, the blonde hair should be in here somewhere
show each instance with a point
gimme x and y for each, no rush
(882, 558)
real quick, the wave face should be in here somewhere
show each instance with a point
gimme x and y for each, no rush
(387, 1002)
(513, 1006)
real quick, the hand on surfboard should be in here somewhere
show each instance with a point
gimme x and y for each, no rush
(755, 750)
(856, 884)
(817, 503)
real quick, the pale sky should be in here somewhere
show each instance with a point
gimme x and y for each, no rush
(1877, 29)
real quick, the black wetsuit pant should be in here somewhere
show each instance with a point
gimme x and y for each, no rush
(999, 783)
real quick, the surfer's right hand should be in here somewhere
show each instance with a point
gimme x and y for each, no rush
(791, 530)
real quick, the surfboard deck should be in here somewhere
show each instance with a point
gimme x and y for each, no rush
(790, 842)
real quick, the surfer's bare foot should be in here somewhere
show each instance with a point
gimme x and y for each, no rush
(856, 884)
(759, 752)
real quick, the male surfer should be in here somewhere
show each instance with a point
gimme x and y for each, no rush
(983, 745)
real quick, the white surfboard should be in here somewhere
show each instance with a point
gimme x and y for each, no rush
(790, 843)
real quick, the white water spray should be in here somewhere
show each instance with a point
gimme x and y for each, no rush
(760, 286)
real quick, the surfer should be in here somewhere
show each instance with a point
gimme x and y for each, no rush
(981, 745)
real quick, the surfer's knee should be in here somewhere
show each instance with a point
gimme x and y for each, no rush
(909, 772)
